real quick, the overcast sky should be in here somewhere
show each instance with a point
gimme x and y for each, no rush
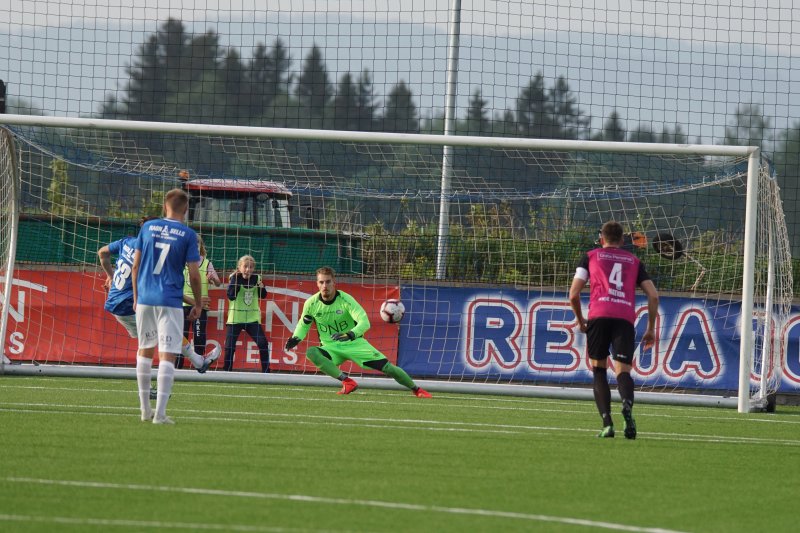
(750, 21)
(705, 73)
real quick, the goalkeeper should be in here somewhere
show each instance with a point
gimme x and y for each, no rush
(341, 324)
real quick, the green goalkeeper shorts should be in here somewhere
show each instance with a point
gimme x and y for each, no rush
(359, 351)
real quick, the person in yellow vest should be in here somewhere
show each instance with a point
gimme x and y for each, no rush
(245, 291)
(198, 326)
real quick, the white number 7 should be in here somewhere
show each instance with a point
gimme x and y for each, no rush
(162, 257)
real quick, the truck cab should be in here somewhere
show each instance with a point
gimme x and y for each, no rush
(238, 202)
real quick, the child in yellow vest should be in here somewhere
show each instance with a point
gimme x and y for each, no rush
(207, 275)
(245, 290)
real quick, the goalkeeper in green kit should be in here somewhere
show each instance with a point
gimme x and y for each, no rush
(341, 324)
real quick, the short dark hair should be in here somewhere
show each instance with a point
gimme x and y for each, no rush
(612, 232)
(147, 218)
(326, 271)
(177, 199)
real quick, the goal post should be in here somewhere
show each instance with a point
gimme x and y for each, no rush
(491, 315)
(9, 198)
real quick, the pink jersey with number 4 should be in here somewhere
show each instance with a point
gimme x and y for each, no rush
(614, 274)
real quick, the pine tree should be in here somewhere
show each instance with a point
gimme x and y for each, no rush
(314, 89)
(401, 112)
(477, 121)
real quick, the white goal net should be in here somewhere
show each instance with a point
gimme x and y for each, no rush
(483, 267)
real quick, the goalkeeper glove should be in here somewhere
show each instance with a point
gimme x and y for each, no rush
(341, 337)
(291, 343)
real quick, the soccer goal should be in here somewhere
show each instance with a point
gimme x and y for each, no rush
(482, 260)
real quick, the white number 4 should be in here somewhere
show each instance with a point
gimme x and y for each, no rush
(616, 276)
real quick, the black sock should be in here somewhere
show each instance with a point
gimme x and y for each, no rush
(625, 388)
(602, 395)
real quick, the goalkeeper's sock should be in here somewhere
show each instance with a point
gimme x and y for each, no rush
(143, 368)
(316, 356)
(602, 394)
(399, 375)
(166, 376)
(187, 350)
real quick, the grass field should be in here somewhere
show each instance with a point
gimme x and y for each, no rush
(75, 457)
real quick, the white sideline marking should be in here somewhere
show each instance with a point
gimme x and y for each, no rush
(151, 524)
(650, 410)
(303, 498)
(359, 422)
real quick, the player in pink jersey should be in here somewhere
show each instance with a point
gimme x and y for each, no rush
(613, 275)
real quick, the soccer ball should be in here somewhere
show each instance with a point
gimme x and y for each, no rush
(392, 311)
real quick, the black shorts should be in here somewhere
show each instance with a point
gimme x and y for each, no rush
(617, 333)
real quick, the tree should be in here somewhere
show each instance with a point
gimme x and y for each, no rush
(477, 121)
(533, 113)
(236, 88)
(787, 167)
(643, 134)
(365, 102)
(314, 89)
(57, 191)
(613, 129)
(401, 112)
(268, 75)
(749, 127)
(345, 104)
(567, 118)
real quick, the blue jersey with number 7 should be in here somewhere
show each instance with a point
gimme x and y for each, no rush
(166, 246)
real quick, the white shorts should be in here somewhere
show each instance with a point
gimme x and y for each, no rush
(129, 321)
(162, 326)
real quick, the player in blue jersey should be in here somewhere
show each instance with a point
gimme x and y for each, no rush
(162, 250)
(119, 301)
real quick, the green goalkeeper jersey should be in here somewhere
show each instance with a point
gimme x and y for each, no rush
(341, 315)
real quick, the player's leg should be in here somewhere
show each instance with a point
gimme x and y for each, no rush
(624, 346)
(323, 361)
(598, 340)
(187, 326)
(145, 322)
(231, 335)
(396, 373)
(170, 341)
(328, 360)
(256, 333)
(199, 328)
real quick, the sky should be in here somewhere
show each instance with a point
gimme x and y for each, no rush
(676, 61)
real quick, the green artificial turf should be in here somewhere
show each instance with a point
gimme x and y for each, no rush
(76, 457)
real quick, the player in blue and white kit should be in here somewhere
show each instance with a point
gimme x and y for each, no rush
(162, 250)
(119, 301)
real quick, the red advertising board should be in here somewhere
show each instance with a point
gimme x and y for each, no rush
(58, 317)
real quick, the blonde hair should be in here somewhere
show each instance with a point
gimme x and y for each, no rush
(244, 259)
(202, 246)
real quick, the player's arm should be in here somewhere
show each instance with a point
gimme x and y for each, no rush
(649, 288)
(302, 327)
(137, 259)
(104, 255)
(212, 276)
(233, 286)
(360, 317)
(197, 289)
(578, 283)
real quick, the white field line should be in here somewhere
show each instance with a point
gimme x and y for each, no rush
(345, 502)
(260, 417)
(151, 524)
(458, 401)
